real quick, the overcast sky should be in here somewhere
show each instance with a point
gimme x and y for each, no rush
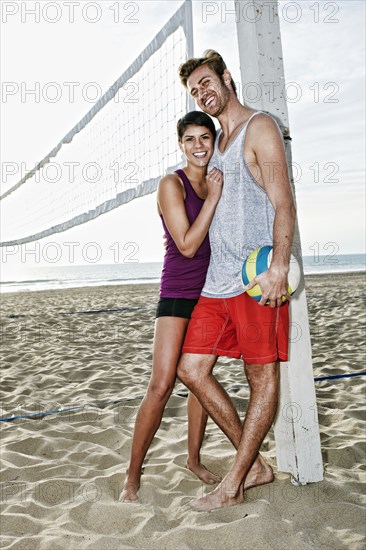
(323, 47)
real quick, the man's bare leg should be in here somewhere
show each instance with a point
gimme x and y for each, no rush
(195, 371)
(264, 383)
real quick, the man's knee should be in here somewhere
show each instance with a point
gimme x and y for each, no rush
(262, 375)
(187, 368)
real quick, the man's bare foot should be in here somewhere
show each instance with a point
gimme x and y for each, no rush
(226, 494)
(202, 473)
(129, 492)
(259, 474)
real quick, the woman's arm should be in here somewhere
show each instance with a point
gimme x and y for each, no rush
(188, 238)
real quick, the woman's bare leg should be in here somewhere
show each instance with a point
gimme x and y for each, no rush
(168, 340)
(197, 420)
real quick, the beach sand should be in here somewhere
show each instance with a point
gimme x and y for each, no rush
(62, 473)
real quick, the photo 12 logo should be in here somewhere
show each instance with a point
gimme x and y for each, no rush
(253, 12)
(71, 252)
(53, 92)
(71, 12)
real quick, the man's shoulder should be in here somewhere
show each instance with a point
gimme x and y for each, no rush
(263, 124)
(262, 119)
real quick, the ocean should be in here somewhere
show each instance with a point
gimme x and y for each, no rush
(73, 276)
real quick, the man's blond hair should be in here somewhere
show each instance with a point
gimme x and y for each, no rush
(210, 58)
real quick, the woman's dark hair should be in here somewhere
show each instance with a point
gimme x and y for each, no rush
(197, 118)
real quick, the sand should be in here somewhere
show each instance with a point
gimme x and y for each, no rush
(62, 473)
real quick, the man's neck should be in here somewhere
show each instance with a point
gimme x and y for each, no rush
(234, 115)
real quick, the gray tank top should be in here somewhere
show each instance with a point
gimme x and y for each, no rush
(243, 219)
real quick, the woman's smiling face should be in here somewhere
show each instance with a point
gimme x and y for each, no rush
(197, 144)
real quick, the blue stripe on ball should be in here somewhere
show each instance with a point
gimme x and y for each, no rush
(262, 259)
(244, 274)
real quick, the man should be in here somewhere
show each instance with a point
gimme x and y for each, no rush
(256, 208)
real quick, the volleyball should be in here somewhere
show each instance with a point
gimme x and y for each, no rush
(259, 261)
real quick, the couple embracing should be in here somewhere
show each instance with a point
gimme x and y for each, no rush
(232, 196)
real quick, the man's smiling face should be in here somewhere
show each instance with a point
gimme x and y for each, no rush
(208, 90)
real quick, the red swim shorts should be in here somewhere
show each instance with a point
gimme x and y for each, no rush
(238, 327)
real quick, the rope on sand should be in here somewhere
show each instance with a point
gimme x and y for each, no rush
(335, 376)
(102, 404)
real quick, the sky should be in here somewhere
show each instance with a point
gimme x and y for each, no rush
(323, 49)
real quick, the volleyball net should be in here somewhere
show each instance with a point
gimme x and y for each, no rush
(117, 152)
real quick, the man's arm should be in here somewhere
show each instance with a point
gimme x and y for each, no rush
(268, 151)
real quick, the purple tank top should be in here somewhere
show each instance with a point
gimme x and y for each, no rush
(184, 277)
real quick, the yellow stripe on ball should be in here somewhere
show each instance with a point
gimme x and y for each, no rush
(251, 269)
(255, 291)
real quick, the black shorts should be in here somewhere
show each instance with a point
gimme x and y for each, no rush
(175, 307)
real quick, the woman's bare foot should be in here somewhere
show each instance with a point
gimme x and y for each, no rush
(202, 473)
(129, 492)
(259, 474)
(226, 494)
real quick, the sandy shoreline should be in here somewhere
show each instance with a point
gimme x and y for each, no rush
(61, 474)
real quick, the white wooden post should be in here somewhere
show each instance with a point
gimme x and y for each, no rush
(262, 74)
(190, 103)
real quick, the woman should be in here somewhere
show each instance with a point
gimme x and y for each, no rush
(187, 201)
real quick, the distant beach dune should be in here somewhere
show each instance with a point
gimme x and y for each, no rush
(62, 473)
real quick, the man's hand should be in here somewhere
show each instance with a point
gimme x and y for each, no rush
(273, 284)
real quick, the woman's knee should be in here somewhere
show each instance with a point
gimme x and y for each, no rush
(160, 389)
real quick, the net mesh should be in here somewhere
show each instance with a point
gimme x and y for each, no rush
(116, 153)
